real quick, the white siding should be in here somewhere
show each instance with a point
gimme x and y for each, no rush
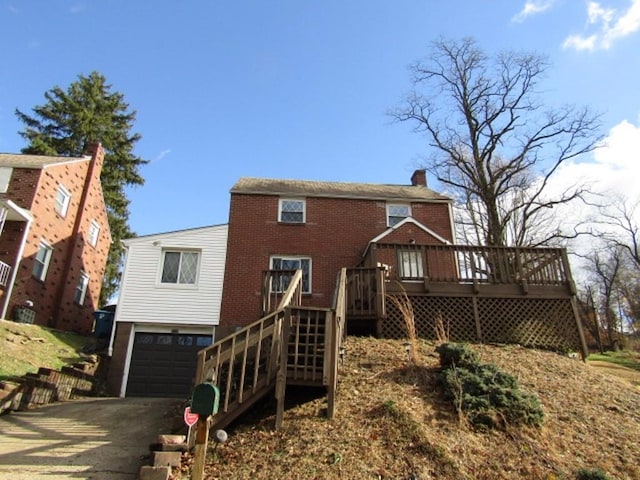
(144, 300)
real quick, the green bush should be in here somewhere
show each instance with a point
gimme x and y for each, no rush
(456, 354)
(487, 396)
(596, 474)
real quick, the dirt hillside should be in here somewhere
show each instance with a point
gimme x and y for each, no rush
(392, 423)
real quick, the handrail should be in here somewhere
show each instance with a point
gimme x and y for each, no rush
(244, 365)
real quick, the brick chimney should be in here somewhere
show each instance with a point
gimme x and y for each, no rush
(419, 178)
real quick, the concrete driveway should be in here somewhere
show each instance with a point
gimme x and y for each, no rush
(100, 439)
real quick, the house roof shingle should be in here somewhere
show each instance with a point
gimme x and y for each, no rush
(18, 160)
(307, 188)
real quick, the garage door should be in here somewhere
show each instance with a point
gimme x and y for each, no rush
(164, 364)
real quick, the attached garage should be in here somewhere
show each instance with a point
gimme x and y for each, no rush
(164, 364)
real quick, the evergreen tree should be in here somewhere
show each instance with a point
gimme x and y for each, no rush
(86, 113)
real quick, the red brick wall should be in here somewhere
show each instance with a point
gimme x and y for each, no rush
(53, 298)
(335, 235)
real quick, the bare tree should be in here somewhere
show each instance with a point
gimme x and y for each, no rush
(494, 144)
(605, 266)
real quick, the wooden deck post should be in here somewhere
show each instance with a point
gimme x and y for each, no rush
(332, 341)
(283, 358)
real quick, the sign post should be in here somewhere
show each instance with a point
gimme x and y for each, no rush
(204, 403)
(190, 419)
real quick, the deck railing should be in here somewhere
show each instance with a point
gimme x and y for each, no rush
(476, 264)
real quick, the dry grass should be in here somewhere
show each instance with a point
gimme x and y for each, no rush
(391, 423)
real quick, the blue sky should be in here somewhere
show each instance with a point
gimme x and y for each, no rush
(299, 89)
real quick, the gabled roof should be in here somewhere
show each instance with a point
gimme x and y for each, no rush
(18, 160)
(404, 221)
(307, 188)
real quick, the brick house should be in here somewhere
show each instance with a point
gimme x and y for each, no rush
(54, 239)
(319, 227)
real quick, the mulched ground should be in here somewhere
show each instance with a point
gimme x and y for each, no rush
(392, 423)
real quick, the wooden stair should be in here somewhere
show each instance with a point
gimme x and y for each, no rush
(292, 345)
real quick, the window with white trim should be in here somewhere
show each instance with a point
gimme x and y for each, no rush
(411, 266)
(42, 260)
(63, 198)
(291, 263)
(396, 212)
(81, 288)
(291, 210)
(180, 267)
(93, 233)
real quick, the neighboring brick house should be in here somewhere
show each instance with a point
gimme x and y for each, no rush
(55, 239)
(319, 227)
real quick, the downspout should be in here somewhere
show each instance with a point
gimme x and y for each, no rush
(14, 271)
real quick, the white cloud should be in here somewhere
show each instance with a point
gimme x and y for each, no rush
(162, 154)
(611, 26)
(533, 7)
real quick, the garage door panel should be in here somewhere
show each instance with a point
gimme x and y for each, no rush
(164, 364)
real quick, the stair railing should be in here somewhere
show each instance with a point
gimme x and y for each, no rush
(245, 364)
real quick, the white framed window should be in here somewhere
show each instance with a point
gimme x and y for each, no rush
(63, 198)
(180, 267)
(291, 263)
(5, 178)
(81, 288)
(396, 212)
(291, 210)
(42, 260)
(411, 266)
(94, 233)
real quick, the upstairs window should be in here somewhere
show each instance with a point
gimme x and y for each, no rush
(396, 213)
(291, 211)
(180, 267)
(63, 198)
(291, 263)
(81, 289)
(94, 233)
(42, 260)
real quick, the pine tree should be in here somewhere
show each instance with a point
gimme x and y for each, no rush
(86, 113)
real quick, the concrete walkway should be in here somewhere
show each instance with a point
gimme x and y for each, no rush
(99, 439)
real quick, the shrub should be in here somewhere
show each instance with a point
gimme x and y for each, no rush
(595, 474)
(456, 354)
(487, 396)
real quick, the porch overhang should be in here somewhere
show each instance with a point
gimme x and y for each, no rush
(14, 212)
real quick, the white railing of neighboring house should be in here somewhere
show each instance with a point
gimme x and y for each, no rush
(3, 217)
(5, 270)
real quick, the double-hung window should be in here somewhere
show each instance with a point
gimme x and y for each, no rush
(281, 283)
(63, 198)
(291, 210)
(180, 267)
(396, 212)
(41, 260)
(93, 233)
(410, 262)
(81, 288)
